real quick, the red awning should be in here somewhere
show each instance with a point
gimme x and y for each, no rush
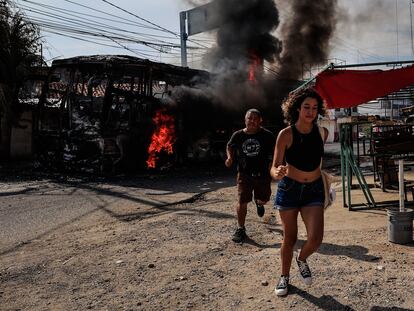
(349, 88)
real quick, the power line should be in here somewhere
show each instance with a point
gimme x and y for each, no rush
(121, 20)
(151, 23)
(82, 22)
(274, 72)
(128, 49)
(80, 31)
(45, 25)
(67, 22)
(86, 27)
(141, 18)
(106, 13)
(90, 26)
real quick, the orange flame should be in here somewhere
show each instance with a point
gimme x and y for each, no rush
(163, 137)
(255, 64)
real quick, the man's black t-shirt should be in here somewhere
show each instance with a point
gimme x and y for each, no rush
(254, 152)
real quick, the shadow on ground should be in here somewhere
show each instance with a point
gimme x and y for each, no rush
(325, 302)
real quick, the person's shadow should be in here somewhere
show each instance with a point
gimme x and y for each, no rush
(352, 251)
(252, 242)
(389, 309)
(325, 302)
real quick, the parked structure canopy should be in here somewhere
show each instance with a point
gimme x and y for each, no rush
(342, 87)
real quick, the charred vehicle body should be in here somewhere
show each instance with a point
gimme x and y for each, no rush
(95, 112)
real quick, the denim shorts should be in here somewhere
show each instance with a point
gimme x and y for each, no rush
(293, 194)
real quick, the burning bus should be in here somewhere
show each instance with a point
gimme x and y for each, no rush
(96, 112)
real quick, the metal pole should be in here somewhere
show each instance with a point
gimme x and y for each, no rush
(411, 23)
(401, 184)
(396, 28)
(333, 66)
(329, 66)
(41, 55)
(183, 37)
(357, 139)
(341, 143)
(373, 64)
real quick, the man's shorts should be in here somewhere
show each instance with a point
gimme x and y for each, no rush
(247, 184)
(293, 194)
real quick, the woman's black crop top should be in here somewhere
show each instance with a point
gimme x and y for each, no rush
(306, 150)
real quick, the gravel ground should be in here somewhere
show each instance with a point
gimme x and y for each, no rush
(163, 243)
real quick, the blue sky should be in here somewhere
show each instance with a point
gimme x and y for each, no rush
(367, 31)
(162, 12)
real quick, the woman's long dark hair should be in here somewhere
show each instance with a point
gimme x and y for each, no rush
(291, 105)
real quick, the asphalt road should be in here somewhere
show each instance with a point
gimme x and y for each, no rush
(31, 209)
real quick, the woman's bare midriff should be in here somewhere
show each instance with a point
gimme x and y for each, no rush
(301, 176)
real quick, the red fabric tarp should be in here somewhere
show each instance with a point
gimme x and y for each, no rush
(349, 88)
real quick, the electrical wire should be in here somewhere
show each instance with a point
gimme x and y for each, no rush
(80, 14)
(46, 25)
(151, 23)
(73, 24)
(89, 25)
(141, 18)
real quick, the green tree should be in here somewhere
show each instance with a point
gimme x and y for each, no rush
(19, 42)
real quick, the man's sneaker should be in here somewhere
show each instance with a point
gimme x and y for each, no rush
(282, 286)
(260, 209)
(304, 271)
(239, 235)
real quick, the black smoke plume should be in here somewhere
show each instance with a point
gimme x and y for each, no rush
(305, 33)
(247, 29)
(245, 32)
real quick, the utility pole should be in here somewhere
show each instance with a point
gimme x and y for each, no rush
(183, 37)
(411, 24)
(41, 55)
(396, 24)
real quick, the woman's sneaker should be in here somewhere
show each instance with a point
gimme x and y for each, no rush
(282, 286)
(304, 271)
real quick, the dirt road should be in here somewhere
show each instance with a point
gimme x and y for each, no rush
(163, 243)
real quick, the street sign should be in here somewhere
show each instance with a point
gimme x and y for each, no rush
(203, 18)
